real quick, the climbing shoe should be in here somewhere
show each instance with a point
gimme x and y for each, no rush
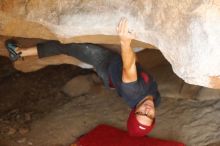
(11, 45)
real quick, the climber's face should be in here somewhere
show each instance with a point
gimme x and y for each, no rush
(145, 111)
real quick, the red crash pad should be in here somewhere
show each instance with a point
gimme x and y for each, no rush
(104, 135)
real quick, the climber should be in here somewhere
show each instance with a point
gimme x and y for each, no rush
(117, 70)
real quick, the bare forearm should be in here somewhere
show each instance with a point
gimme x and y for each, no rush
(128, 56)
(129, 73)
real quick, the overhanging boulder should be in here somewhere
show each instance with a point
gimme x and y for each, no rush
(186, 32)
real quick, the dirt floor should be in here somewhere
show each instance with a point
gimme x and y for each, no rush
(28, 97)
(39, 109)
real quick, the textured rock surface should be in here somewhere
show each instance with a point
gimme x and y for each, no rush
(77, 86)
(81, 85)
(186, 32)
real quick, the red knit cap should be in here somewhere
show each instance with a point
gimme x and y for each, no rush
(135, 128)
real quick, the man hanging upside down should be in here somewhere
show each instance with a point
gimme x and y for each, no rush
(119, 71)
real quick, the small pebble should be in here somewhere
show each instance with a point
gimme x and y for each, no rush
(21, 140)
(11, 131)
(27, 116)
(23, 131)
(30, 143)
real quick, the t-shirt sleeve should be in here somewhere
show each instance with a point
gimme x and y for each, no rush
(134, 91)
(139, 89)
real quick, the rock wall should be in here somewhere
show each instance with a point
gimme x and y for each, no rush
(186, 32)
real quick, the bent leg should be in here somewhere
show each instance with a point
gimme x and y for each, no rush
(92, 54)
(86, 52)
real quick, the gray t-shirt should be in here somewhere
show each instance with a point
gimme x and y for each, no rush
(133, 92)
